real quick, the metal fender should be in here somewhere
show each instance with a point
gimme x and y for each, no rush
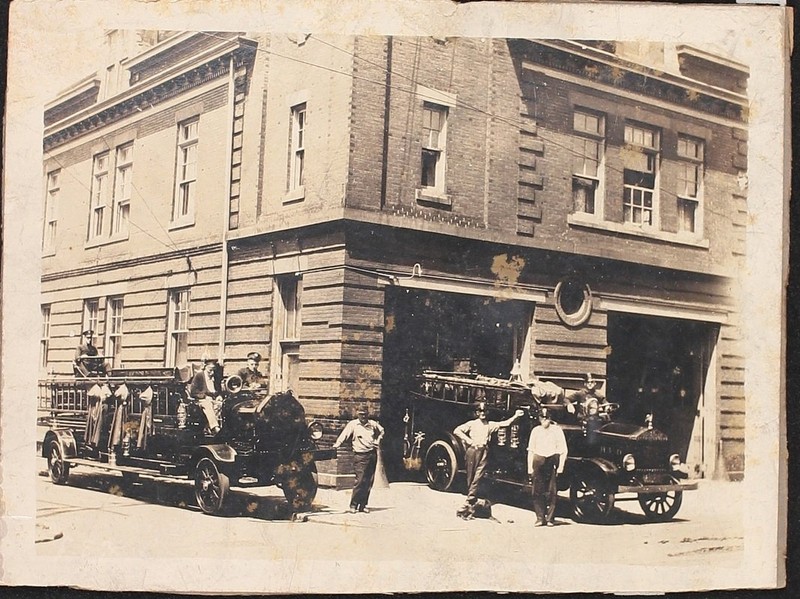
(219, 452)
(574, 465)
(69, 448)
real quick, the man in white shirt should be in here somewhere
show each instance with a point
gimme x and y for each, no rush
(476, 434)
(365, 436)
(547, 454)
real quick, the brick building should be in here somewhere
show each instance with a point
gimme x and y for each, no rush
(359, 208)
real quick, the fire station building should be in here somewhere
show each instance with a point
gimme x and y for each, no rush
(359, 208)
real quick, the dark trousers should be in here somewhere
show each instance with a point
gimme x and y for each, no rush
(476, 465)
(545, 487)
(364, 467)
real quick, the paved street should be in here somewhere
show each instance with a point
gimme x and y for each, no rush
(94, 516)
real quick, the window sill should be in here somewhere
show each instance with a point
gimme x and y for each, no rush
(591, 222)
(48, 252)
(100, 241)
(295, 195)
(429, 195)
(181, 223)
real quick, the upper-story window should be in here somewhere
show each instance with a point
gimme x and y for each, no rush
(689, 184)
(186, 178)
(298, 147)
(113, 345)
(51, 211)
(44, 342)
(587, 162)
(434, 144)
(178, 328)
(122, 189)
(99, 197)
(640, 158)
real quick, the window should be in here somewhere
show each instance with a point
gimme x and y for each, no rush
(178, 328)
(99, 197)
(50, 211)
(298, 147)
(689, 183)
(44, 342)
(113, 345)
(91, 308)
(122, 189)
(286, 332)
(587, 171)
(186, 185)
(640, 157)
(434, 140)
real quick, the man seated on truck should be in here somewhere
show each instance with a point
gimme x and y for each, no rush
(250, 375)
(87, 360)
(590, 393)
(204, 389)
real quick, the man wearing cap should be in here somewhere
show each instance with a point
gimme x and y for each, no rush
(365, 436)
(86, 361)
(250, 375)
(204, 389)
(547, 454)
(476, 434)
(590, 391)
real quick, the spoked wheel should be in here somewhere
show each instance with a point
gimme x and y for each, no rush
(440, 466)
(300, 488)
(590, 497)
(56, 466)
(660, 507)
(210, 487)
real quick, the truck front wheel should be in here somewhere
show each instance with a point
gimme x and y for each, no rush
(300, 488)
(210, 487)
(660, 507)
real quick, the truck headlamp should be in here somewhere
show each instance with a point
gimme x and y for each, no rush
(315, 430)
(629, 462)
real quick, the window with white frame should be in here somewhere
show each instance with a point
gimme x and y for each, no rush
(91, 309)
(287, 321)
(186, 178)
(297, 156)
(689, 184)
(113, 345)
(178, 328)
(99, 196)
(434, 143)
(587, 162)
(640, 159)
(122, 189)
(44, 342)
(51, 211)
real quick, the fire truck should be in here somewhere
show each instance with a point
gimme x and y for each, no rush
(608, 460)
(143, 422)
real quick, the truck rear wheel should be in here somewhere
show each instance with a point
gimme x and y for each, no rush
(590, 497)
(210, 487)
(56, 466)
(440, 466)
(300, 488)
(660, 507)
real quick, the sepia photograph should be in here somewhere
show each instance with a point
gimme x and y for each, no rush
(305, 305)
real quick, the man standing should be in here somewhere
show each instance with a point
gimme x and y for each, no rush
(204, 390)
(476, 434)
(547, 454)
(365, 436)
(250, 375)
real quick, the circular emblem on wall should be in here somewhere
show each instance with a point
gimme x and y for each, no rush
(573, 302)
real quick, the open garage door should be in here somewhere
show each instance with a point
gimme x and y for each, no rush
(439, 330)
(663, 366)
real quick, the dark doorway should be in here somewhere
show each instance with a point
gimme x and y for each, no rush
(443, 331)
(659, 366)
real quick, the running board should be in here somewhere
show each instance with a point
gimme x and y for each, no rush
(162, 470)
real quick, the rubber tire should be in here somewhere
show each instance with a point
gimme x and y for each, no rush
(653, 505)
(56, 466)
(441, 466)
(211, 487)
(300, 488)
(589, 497)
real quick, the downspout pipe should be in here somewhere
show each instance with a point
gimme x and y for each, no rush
(224, 258)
